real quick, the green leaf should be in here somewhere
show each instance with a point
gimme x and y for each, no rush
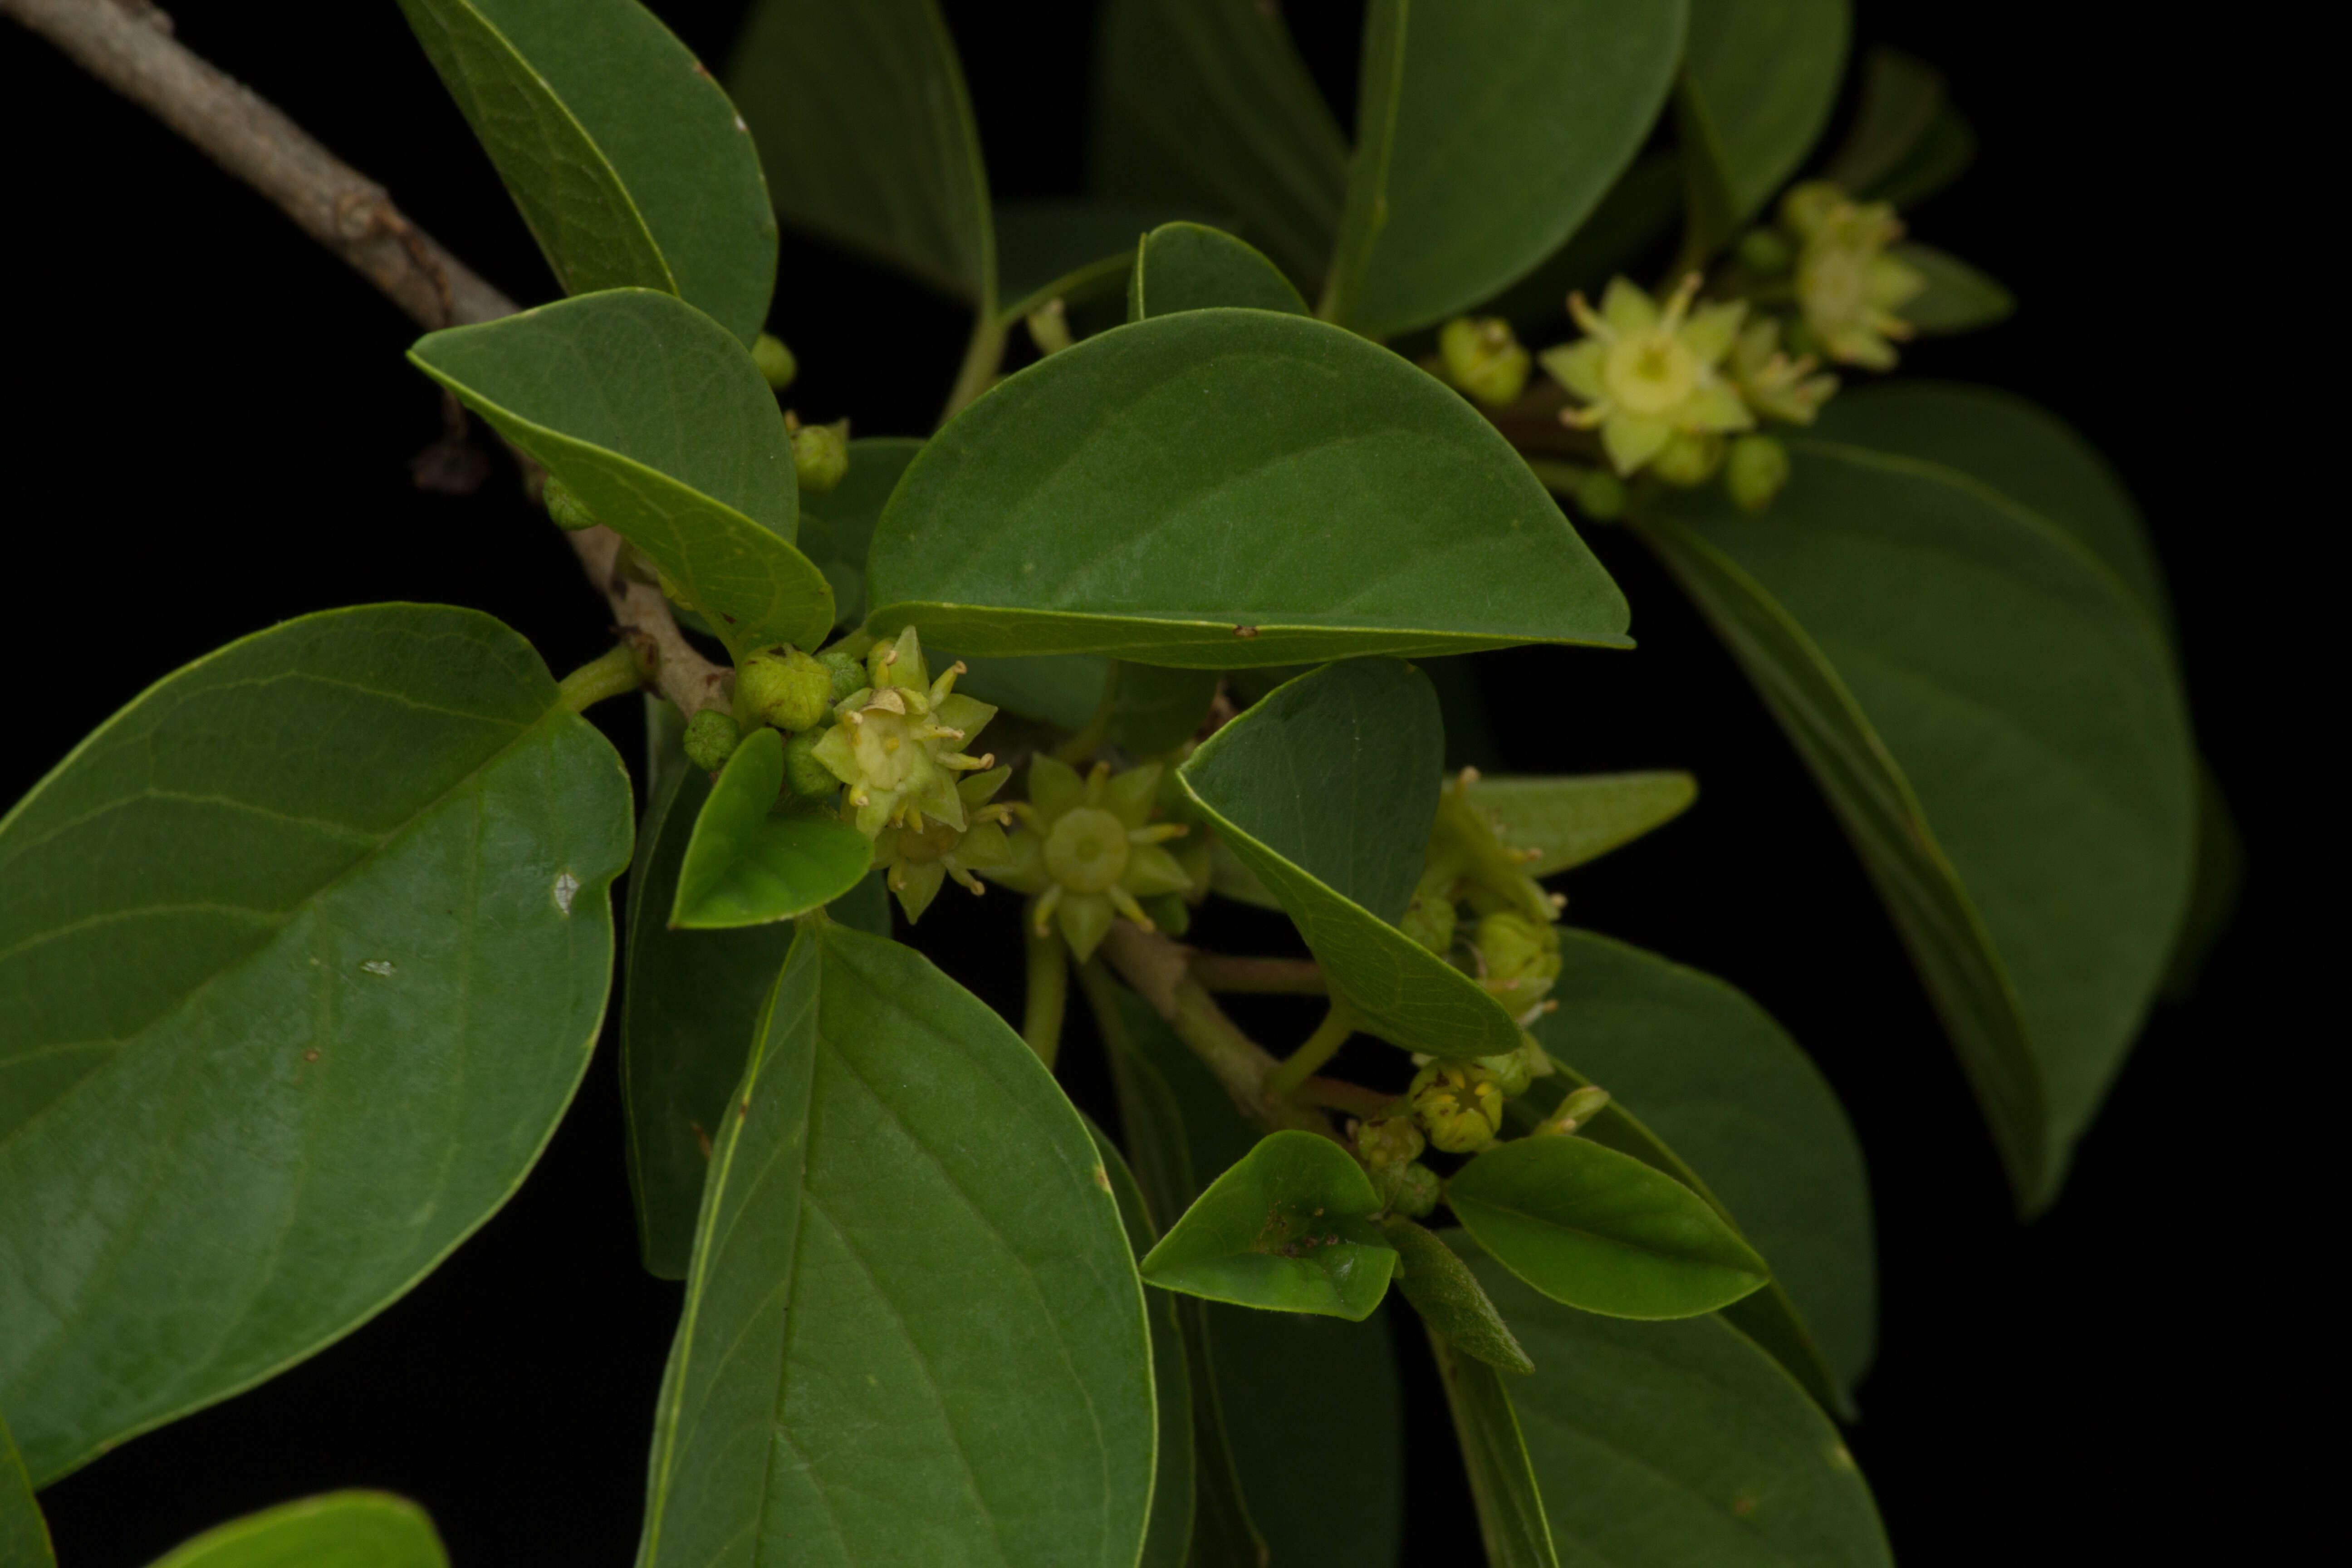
(338, 1530)
(1168, 1542)
(1326, 791)
(1995, 717)
(1220, 489)
(913, 1329)
(1288, 1229)
(837, 529)
(689, 1002)
(1632, 218)
(1052, 248)
(1582, 817)
(628, 163)
(1958, 299)
(1511, 1523)
(1666, 1445)
(1692, 1063)
(750, 863)
(664, 427)
(1206, 103)
(1154, 712)
(862, 119)
(1061, 688)
(1901, 97)
(1760, 79)
(249, 914)
(1942, 155)
(1448, 1297)
(24, 1533)
(1485, 134)
(1190, 267)
(1601, 1230)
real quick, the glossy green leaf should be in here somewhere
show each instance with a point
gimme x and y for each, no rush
(1760, 79)
(1220, 488)
(1994, 715)
(689, 1002)
(256, 1081)
(1485, 134)
(24, 1533)
(913, 1329)
(1669, 1444)
(1580, 817)
(1449, 1297)
(1901, 97)
(1693, 1064)
(1192, 267)
(1154, 712)
(628, 163)
(1288, 1229)
(751, 863)
(862, 119)
(1601, 1230)
(664, 427)
(1168, 1542)
(1326, 791)
(338, 1530)
(1206, 103)
(837, 529)
(1061, 688)
(1632, 218)
(1511, 1523)
(1958, 299)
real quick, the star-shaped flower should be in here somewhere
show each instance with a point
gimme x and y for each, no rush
(1089, 851)
(1647, 373)
(1847, 285)
(892, 743)
(917, 860)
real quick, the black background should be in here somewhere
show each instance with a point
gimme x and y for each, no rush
(209, 429)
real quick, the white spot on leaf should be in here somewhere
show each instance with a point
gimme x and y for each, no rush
(567, 887)
(379, 966)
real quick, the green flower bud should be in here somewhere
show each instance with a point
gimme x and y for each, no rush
(1411, 1190)
(711, 736)
(1484, 359)
(821, 455)
(1389, 1141)
(1578, 1107)
(1687, 459)
(1429, 920)
(1755, 472)
(1460, 1106)
(1601, 495)
(1772, 384)
(804, 775)
(564, 506)
(774, 360)
(848, 671)
(1764, 254)
(785, 687)
(1519, 957)
(1807, 205)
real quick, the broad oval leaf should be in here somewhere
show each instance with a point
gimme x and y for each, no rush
(1708, 1089)
(1206, 103)
(1073, 250)
(689, 1000)
(913, 1329)
(1287, 1229)
(1664, 1445)
(1449, 1299)
(1957, 298)
(24, 1533)
(1326, 791)
(340, 1529)
(628, 163)
(1485, 134)
(1601, 1230)
(1168, 1542)
(861, 115)
(1155, 711)
(837, 529)
(1503, 1487)
(1571, 819)
(1192, 267)
(360, 860)
(1222, 488)
(1995, 717)
(1757, 85)
(749, 863)
(665, 430)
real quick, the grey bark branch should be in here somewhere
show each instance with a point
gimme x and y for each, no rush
(128, 45)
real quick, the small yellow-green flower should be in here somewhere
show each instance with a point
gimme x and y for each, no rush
(1461, 1106)
(1089, 851)
(1773, 384)
(895, 743)
(1847, 285)
(1646, 373)
(917, 860)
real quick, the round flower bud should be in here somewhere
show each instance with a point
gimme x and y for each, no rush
(1429, 920)
(821, 455)
(804, 775)
(1459, 1105)
(1410, 1190)
(1807, 205)
(1764, 254)
(1601, 495)
(564, 507)
(848, 671)
(1521, 958)
(1576, 1108)
(1754, 472)
(1484, 359)
(785, 687)
(1392, 1141)
(711, 739)
(1688, 458)
(774, 360)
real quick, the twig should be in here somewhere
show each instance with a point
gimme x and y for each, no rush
(128, 45)
(1158, 970)
(1259, 976)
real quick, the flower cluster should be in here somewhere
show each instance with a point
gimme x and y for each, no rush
(1088, 851)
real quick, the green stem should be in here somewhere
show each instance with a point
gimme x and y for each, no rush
(1089, 740)
(981, 358)
(1049, 991)
(1321, 1047)
(614, 675)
